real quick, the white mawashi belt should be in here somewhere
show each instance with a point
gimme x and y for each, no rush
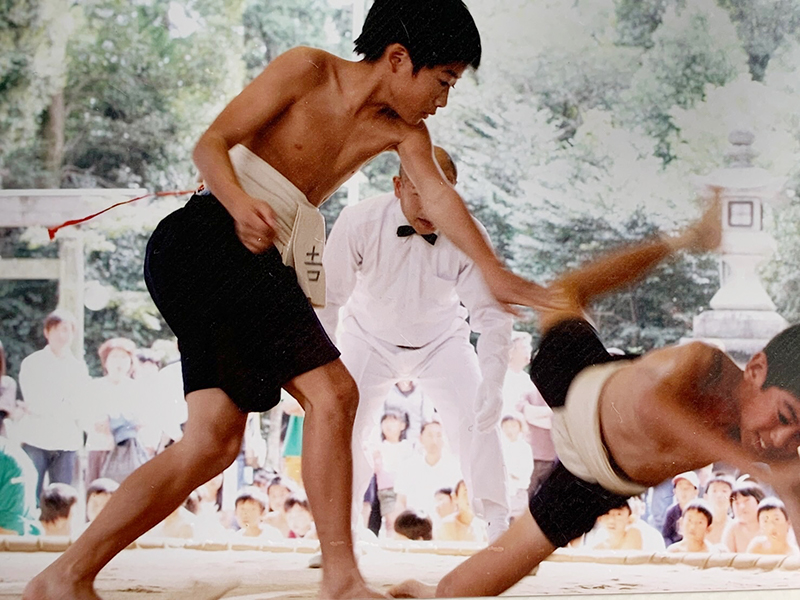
(300, 231)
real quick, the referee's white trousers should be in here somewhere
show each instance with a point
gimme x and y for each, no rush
(447, 370)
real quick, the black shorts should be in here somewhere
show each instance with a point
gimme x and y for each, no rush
(243, 323)
(565, 506)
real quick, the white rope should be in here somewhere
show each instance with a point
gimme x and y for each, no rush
(611, 557)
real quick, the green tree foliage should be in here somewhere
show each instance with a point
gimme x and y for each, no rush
(33, 39)
(272, 27)
(763, 26)
(143, 82)
(694, 47)
(638, 19)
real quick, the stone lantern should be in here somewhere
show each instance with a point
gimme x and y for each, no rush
(742, 318)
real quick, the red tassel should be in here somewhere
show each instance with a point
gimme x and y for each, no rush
(51, 231)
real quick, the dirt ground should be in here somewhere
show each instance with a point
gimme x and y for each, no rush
(182, 574)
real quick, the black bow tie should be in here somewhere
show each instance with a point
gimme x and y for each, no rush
(407, 230)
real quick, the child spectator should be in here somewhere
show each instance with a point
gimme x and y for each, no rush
(521, 395)
(413, 525)
(180, 523)
(56, 504)
(744, 527)
(278, 492)
(393, 451)
(251, 505)
(519, 463)
(718, 495)
(148, 363)
(114, 396)
(211, 522)
(774, 527)
(652, 541)
(262, 478)
(97, 496)
(695, 523)
(406, 397)
(8, 394)
(445, 503)
(686, 487)
(17, 491)
(463, 525)
(422, 474)
(620, 534)
(299, 518)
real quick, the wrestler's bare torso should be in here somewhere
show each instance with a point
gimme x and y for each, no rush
(671, 411)
(325, 135)
(322, 118)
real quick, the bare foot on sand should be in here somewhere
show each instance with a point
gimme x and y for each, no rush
(411, 588)
(49, 585)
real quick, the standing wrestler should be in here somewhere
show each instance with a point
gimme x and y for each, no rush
(621, 426)
(406, 294)
(232, 270)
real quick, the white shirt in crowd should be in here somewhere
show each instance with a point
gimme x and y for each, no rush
(418, 481)
(516, 385)
(105, 399)
(519, 462)
(53, 389)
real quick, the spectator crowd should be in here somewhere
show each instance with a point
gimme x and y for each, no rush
(67, 441)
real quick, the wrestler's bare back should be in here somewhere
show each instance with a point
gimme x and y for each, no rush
(671, 411)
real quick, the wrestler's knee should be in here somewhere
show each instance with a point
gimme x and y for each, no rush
(344, 399)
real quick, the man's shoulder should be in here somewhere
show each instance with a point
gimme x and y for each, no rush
(307, 60)
(36, 357)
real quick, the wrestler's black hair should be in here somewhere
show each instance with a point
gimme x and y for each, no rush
(56, 502)
(415, 525)
(782, 352)
(435, 32)
(772, 503)
(700, 506)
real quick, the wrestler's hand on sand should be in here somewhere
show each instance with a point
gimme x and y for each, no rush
(255, 224)
(411, 588)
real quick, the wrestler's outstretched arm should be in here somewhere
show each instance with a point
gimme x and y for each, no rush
(492, 570)
(446, 210)
(573, 291)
